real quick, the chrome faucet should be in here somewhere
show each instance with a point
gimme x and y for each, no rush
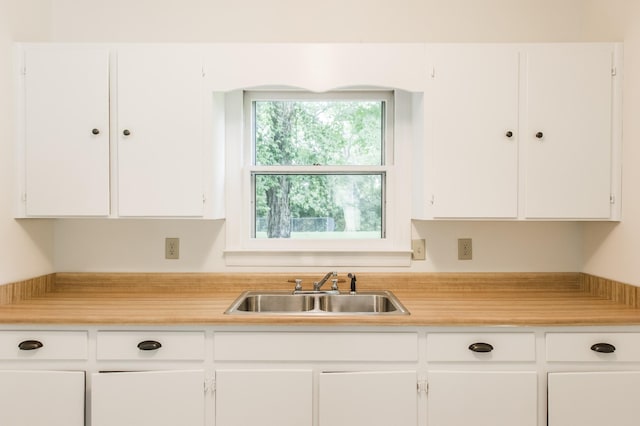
(318, 284)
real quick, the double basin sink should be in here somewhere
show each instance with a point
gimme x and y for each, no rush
(317, 303)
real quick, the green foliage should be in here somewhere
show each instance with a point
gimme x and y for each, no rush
(308, 133)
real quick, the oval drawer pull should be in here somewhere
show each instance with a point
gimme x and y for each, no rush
(30, 345)
(603, 348)
(480, 347)
(149, 345)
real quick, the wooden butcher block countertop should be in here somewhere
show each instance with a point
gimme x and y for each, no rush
(433, 299)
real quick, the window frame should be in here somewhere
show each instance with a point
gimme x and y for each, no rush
(386, 154)
(242, 249)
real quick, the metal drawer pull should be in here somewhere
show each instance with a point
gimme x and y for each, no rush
(603, 348)
(29, 345)
(480, 347)
(149, 345)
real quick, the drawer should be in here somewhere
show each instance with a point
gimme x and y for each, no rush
(461, 347)
(44, 345)
(151, 345)
(593, 347)
(318, 346)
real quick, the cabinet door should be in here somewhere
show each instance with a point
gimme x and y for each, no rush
(158, 398)
(264, 397)
(594, 399)
(42, 398)
(475, 109)
(66, 101)
(569, 106)
(368, 398)
(160, 136)
(482, 398)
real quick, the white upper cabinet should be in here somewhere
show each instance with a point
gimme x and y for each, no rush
(475, 123)
(159, 131)
(66, 131)
(151, 98)
(568, 131)
(522, 132)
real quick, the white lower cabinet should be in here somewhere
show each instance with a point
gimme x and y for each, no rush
(483, 398)
(264, 397)
(599, 383)
(149, 398)
(594, 398)
(472, 379)
(372, 398)
(320, 376)
(42, 398)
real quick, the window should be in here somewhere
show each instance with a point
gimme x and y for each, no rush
(312, 178)
(318, 164)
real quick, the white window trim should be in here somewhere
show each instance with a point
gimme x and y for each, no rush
(242, 250)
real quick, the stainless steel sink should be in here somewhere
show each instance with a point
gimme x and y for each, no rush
(317, 303)
(272, 302)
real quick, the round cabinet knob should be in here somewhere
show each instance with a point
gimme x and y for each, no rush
(30, 345)
(603, 348)
(149, 345)
(126, 132)
(509, 134)
(480, 347)
(95, 131)
(539, 135)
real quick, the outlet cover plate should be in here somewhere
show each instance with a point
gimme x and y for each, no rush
(172, 248)
(465, 249)
(418, 250)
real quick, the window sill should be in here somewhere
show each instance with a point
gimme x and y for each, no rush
(317, 258)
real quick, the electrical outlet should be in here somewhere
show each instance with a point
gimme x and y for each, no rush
(465, 249)
(418, 250)
(172, 248)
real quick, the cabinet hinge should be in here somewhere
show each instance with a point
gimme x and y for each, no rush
(612, 199)
(423, 387)
(614, 71)
(210, 385)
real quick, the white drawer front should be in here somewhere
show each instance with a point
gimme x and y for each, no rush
(458, 347)
(124, 345)
(43, 345)
(318, 346)
(577, 347)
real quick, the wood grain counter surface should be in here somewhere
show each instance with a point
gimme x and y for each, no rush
(434, 299)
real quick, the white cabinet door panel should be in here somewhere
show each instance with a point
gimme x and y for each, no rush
(482, 398)
(66, 101)
(475, 105)
(368, 398)
(264, 397)
(569, 101)
(41, 398)
(160, 161)
(154, 398)
(594, 399)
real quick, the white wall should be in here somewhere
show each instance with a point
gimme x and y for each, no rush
(103, 245)
(610, 249)
(27, 246)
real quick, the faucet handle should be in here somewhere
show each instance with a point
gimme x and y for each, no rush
(334, 284)
(298, 284)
